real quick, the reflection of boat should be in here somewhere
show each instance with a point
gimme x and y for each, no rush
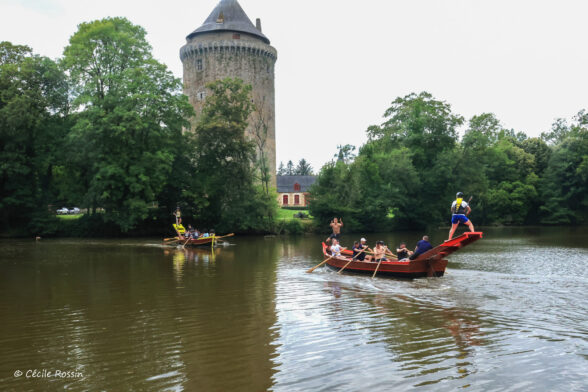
(430, 263)
(201, 241)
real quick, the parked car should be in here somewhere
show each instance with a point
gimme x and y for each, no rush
(62, 211)
(74, 210)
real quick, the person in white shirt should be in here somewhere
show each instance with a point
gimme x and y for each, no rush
(336, 248)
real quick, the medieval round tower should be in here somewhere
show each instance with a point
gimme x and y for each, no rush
(229, 45)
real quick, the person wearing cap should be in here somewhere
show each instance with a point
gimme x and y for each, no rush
(403, 252)
(358, 247)
(459, 211)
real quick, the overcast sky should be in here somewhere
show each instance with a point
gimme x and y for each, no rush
(341, 64)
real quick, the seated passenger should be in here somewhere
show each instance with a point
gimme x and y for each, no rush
(403, 252)
(380, 252)
(204, 234)
(336, 248)
(358, 247)
(421, 247)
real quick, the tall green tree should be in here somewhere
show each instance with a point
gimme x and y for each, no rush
(303, 168)
(130, 111)
(290, 169)
(225, 189)
(33, 109)
(565, 183)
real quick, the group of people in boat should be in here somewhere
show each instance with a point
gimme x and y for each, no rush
(190, 232)
(460, 209)
(381, 252)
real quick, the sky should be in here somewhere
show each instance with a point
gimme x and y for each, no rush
(341, 64)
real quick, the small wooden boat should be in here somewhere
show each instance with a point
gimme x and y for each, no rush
(430, 263)
(201, 241)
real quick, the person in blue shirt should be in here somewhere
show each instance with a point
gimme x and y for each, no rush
(459, 211)
(421, 247)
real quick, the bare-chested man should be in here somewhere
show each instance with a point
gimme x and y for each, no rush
(336, 226)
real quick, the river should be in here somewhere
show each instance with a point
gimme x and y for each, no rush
(511, 314)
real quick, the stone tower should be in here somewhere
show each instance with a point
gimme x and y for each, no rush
(229, 45)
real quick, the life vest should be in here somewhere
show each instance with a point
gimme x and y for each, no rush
(459, 208)
(179, 228)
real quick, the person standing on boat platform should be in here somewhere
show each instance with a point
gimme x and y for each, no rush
(336, 226)
(459, 210)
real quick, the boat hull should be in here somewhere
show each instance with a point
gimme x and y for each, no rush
(398, 269)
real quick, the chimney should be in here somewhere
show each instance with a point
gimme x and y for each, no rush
(258, 24)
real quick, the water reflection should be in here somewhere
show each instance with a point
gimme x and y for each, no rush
(134, 315)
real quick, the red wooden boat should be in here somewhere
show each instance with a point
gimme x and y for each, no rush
(430, 263)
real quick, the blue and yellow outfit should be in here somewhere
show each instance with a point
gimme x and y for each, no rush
(458, 209)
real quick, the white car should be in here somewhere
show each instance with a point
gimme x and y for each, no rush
(62, 211)
(74, 211)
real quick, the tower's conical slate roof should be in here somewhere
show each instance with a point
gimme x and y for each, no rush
(228, 16)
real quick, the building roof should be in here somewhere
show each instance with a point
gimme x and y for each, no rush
(228, 16)
(286, 183)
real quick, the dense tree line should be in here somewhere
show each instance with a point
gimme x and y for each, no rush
(106, 128)
(408, 172)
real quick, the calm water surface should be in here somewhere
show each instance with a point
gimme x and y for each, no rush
(511, 314)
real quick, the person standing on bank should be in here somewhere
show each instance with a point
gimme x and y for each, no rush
(336, 226)
(459, 210)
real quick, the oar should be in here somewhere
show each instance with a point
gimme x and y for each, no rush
(170, 239)
(345, 266)
(183, 246)
(378, 266)
(318, 265)
(227, 235)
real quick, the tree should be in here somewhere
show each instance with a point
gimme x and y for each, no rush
(346, 153)
(130, 110)
(260, 129)
(421, 123)
(281, 169)
(565, 183)
(290, 170)
(303, 168)
(33, 107)
(224, 188)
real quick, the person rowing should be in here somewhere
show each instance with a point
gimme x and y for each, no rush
(336, 248)
(380, 252)
(358, 247)
(403, 252)
(459, 210)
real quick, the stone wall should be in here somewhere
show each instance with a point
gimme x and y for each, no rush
(213, 56)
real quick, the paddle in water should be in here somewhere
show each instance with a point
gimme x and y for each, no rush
(345, 266)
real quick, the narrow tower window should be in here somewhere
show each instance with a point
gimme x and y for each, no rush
(199, 64)
(201, 95)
